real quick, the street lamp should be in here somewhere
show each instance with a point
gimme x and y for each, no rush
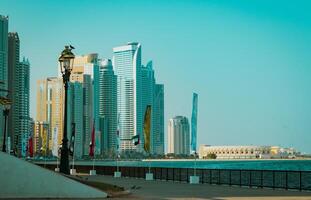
(66, 65)
(7, 105)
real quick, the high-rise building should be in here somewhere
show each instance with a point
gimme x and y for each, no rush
(88, 112)
(75, 116)
(50, 104)
(3, 66)
(127, 66)
(41, 138)
(105, 85)
(18, 84)
(194, 123)
(148, 84)
(83, 72)
(178, 135)
(158, 119)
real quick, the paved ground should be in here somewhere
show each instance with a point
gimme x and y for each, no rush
(142, 189)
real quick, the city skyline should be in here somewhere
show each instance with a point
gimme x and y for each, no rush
(252, 82)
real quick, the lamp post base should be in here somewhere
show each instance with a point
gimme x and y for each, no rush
(93, 172)
(57, 169)
(194, 179)
(117, 174)
(149, 176)
(73, 171)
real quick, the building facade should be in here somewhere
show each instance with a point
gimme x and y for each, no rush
(127, 66)
(235, 152)
(3, 66)
(18, 85)
(179, 135)
(50, 105)
(148, 84)
(158, 119)
(75, 117)
(41, 139)
(105, 82)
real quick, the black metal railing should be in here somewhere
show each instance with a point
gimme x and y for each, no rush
(296, 180)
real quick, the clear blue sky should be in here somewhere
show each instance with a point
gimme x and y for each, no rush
(249, 61)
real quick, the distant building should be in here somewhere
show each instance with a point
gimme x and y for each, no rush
(41, 138)
(75, 117)
(147, 98)
(235, 152)
(50, 105)
(83, 72)
(3, 66)
(127, 66)
(105, 85)
(179, 135)
(194, 119)
(158, 119)
(18, 84)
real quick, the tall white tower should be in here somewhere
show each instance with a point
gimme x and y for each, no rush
(127, 65)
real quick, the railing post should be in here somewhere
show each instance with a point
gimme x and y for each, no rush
(273, 180)
(210, 176)
(300, 184)
(180, 174)
(187, 175)
(261, 178)
(167, 174)
(202, 175)
(218, 176)
(173, 174)
(161, 172)
(250, 178)
(286, 178)
(230, 177)
(240, 178)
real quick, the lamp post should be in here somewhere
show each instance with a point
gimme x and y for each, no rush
(6, 110)
(66, 65)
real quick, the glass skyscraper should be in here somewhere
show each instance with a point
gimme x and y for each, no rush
(105, 85)
(127, 65)
(3, 66)
(18, 84)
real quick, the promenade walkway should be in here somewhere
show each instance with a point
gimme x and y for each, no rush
(141, 189)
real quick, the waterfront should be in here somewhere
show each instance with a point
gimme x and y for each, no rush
(288, 165)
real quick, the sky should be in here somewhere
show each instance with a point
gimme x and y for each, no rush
(249, 61)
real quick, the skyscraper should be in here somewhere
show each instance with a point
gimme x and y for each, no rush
(83, 72)
(105, 82)
(194, 123)
(127, 65)
(75, 100)
(178, 135)
(18, 84)
(3, 66)
(158, 119)
(50, 104)
(88, 111)
(148, 84)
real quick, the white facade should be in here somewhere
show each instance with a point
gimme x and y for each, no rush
(235, 152)
(178, 135)
(127, 66)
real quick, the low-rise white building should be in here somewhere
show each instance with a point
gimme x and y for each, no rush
(235, 152)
